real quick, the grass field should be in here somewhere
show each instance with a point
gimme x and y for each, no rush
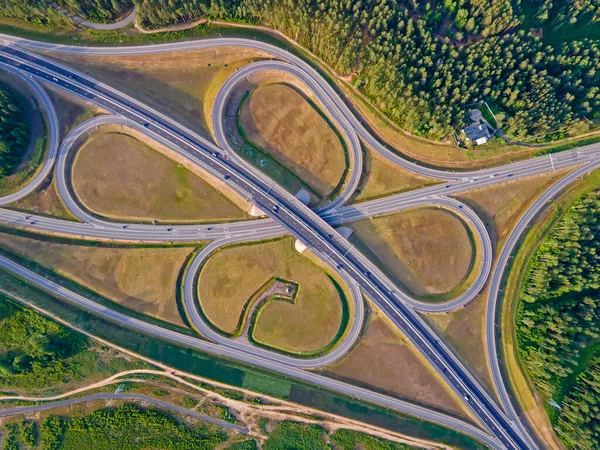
(464, 330)
(279, 119)
(71, 111)
(232, 275)
(117, 176)
(427, 250)
(142, 279)
(44, 201)
(182, 85)
(503, 204)
(384, 359)
(238, 375)
(382, 177)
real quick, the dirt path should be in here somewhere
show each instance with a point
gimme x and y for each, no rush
(248, 414)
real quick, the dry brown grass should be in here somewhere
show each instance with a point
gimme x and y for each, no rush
(232, 275)
(427, 250)
(384, 360)
(44, 201)
(382, 177)
(279, 120)
(181, 85)
(143, 279)
(115, 175)
(71, 111)
(464, 330)
(503, 204)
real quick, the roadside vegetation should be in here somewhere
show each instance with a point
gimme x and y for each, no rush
(414, 61)
(502, 205)
(429, 251)
(116, 176)
(22, 134)
(236, 374)
(382, 177)
(558, 321)
(45, 201)
(279, 120)
(126, 427)
(231, 277)
(385, 361)
(182, 85)
(464, 330)
(37, 353)
(14, 130)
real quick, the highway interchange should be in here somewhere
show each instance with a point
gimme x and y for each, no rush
(314, 228)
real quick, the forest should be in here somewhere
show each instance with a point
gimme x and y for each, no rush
(126, 428)
(420, 62)
(36, 352)
(563, 12)
(577, 423)
(14, 130)
(558, 321)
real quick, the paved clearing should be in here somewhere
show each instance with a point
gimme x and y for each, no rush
(279, 120)
(382, 177)
(182, 85)
(232, 275)
(115, 175)
(143, 279)
(427, 250)
(384, 360)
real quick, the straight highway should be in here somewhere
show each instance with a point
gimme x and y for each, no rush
(289, 214)
(299, 221)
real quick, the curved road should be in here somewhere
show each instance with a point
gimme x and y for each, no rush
(339, 120)
(374, 285)
(300, 221)
(127, 20)
(52, 133)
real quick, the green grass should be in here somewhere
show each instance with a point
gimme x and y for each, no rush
(292, 435)
(236, 374)
(19, 179)
(127, 427)
(37, 353)
(553, 148)
(351, 440)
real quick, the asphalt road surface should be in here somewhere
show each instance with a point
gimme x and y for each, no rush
(307, 226)
(301, 222)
